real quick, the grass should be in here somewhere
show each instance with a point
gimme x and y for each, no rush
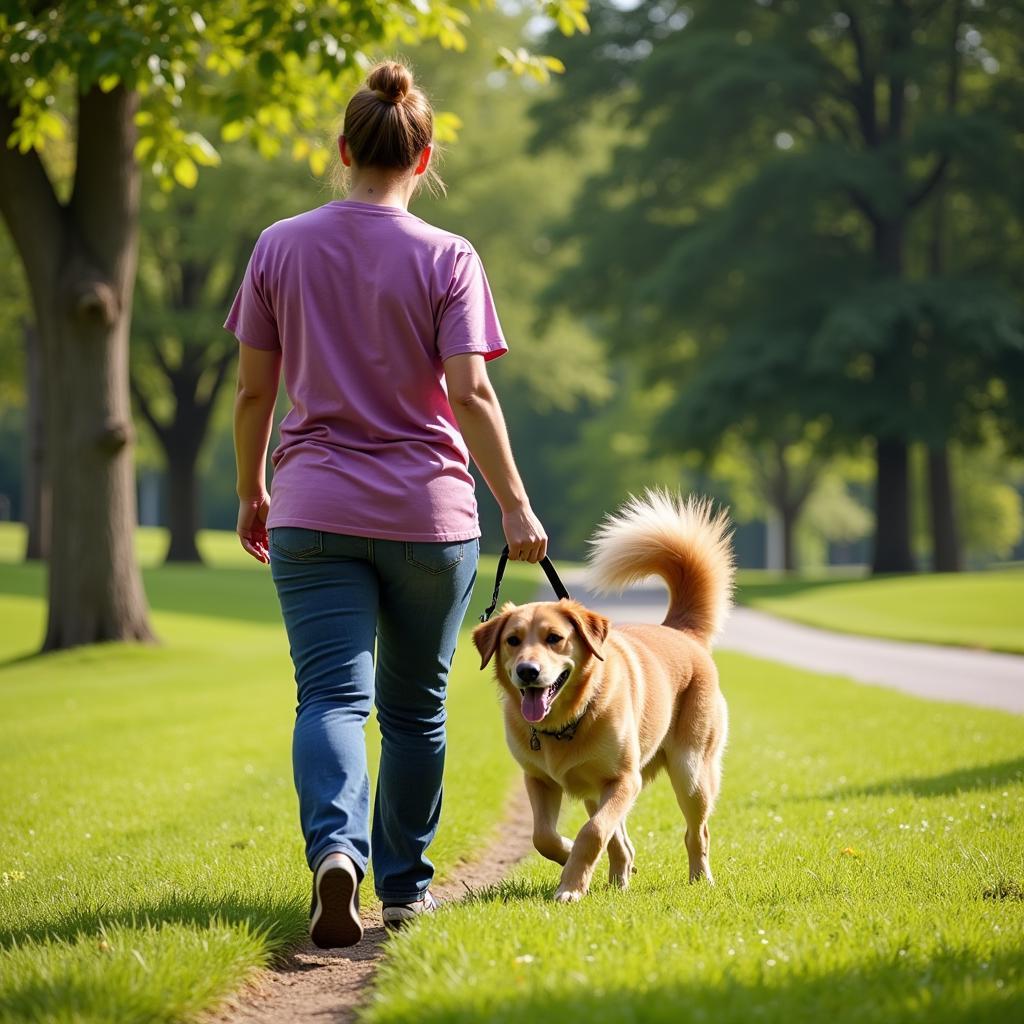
(870, 868)
(977, 609)
(868, 847)
(150, 855)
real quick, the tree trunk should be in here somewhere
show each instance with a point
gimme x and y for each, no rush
(36, 510)
(946, 554)
(80, 260)
(183, 503)
(892, 551)
(892, 508)
(789, 517)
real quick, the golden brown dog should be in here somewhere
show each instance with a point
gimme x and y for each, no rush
(596, 712)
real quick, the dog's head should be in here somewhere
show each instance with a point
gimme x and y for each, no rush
(542, 652)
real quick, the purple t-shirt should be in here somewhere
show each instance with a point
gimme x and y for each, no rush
(365, 303)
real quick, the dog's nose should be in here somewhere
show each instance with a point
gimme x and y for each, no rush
(527, 671)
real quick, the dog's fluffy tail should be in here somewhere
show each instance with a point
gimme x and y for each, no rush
(681, 540)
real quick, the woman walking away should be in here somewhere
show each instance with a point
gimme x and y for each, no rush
(382, 324)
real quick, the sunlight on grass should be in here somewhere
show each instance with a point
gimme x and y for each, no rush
(858, 847)
(150, 853)
(979, 609)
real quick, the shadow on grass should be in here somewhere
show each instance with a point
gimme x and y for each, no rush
(241, 594)
(986, 776)
(952, 989)
(280, 922)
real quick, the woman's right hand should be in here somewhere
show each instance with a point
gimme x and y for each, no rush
(524, 535)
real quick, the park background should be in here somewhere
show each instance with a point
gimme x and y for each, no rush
(768, 250)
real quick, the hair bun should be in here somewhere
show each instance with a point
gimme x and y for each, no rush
(391, 81)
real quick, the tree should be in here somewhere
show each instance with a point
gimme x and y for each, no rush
(194, 248)
(766, 231)
(129, 72)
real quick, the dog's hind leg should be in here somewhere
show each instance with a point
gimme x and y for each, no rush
(620, 852)
(695, 781)
(546, 800)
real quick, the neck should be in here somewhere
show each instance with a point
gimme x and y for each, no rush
(380, 191)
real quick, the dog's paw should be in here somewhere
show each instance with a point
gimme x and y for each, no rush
(620, 880)
(568, 895)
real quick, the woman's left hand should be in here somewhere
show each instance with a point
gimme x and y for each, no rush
(252, 527)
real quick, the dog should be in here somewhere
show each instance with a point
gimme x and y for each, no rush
(596, 712)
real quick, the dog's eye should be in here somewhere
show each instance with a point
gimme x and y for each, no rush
(554, 638)
(513, 641)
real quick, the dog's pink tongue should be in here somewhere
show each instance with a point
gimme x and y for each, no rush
(535, 705)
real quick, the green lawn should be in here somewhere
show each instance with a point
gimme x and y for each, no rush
(868, 847)
(150, 854)
(977, 609)
(869, 856)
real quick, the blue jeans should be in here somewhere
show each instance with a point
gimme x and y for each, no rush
(338, 595)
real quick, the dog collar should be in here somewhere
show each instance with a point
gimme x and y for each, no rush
(565, 733)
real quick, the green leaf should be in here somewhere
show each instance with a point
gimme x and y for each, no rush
(200, 149)
(319, 158)
(185, 172)
(233, 131)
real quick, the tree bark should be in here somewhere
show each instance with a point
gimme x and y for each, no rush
(80, 260)
(36, 511)
(789, 518)
(195, 389)
(892, 550)
(946, 553)
(183, 503)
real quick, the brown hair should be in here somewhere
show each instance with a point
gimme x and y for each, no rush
(389, 121)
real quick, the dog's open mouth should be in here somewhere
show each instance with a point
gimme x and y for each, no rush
(537, 700)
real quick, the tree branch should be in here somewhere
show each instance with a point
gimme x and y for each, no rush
(105, 196)
(863, 93)
(204, 405)
(931, 181)
(147, 411)
(864, 204)
(29, 206)
(165, 367)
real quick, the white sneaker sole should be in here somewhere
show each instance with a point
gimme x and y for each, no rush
(335, 920)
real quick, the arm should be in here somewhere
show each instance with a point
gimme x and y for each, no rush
(479, 417)
(258, 375)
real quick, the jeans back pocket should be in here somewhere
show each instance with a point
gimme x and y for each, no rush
(434, 557)
(297, 541)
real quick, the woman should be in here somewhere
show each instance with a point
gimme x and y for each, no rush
(382, 324)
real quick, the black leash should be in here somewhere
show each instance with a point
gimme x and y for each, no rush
(549, 570)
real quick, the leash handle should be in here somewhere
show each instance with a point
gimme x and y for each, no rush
(549, 570)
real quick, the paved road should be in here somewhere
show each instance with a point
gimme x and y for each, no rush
(924, 670)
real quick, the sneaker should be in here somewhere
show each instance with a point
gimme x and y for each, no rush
(398, 915)
(334, 917)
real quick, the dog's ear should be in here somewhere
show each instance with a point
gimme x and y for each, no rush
(591, 626)
(487, 635)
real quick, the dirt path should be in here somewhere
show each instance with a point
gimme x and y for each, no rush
(315, 986)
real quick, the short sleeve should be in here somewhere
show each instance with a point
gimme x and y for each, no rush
(252, 320)
(468, 321)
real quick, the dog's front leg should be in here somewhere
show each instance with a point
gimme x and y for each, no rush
(616, 800)
(546, 799)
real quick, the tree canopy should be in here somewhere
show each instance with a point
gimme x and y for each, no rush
(777, 232)
(129, 82)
